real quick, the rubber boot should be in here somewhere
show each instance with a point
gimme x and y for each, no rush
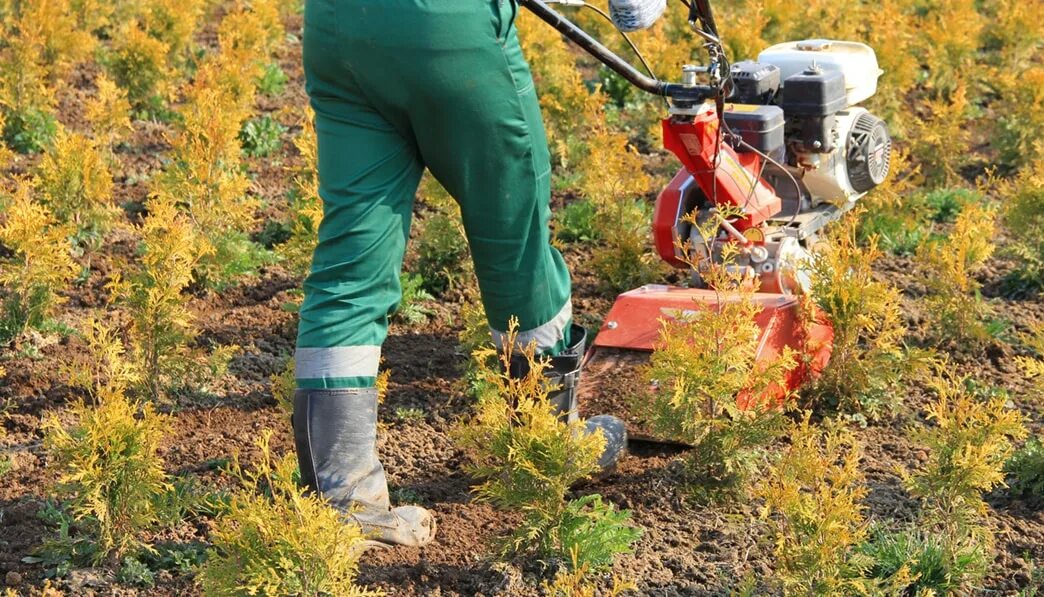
(335, 433)
(564, 373)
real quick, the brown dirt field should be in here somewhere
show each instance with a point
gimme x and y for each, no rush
(686, 549)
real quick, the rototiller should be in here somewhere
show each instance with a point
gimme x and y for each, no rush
(782, 142)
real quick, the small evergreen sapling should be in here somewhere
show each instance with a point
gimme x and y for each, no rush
(278, 539)
(41, 264)
(528, 459)
(953, 303)
(813, 496)
(75, 182)
(108, 458)
(968, 444)
(867, 361)
(709, 390)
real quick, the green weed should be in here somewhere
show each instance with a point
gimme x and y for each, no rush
(261, 137)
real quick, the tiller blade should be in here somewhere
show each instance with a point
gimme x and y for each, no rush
(613, 382)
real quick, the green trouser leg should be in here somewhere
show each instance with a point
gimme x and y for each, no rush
(397, 86)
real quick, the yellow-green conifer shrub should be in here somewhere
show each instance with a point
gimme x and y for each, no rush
(163, 329)
(41, 264)
(813, 498)
(6, 155)
(525, 455)
(527, 458)
(616, 186)
(953, 305)
(1023, 213)
(277, 539)
(939, 138)
(867, 360)
(26, 98)
(108, 111)
(569, 108)
(247, 37)
(110, 469)
(173, 22)
(75, 183)
(138, 63)
(205, 179)
(1013, 37)
(947, 41)
(968, 442)
(702, 369)
(104, 368)
(1033, 367)
(306, 208)
(62, 44)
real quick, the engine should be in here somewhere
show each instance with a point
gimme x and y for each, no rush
(808, 152)
(836, 150)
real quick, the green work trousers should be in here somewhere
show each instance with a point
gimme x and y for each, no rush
(399, 86)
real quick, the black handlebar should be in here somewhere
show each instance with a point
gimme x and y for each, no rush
(676, 91)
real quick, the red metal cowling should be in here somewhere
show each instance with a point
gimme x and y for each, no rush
(724, 176)
(670, 206)
(634, 323)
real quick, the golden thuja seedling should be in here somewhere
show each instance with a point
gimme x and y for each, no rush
(1023, 216)
(110, 469)
(813, 498)
(1019, 113)
(74, 181)
(163, 329)
(953, 305)
(138, 64)
(40, 266)
(277, 539)
(939, 140)
(969, 440)
(206, 180)
(173, 22)
(623, 260)
(104, 368)
(1033, 367)
(306, 208)
(947, 42)
(109, 113)
(528, 458)
(569, 108)
(525, 455)
(702, 366)
(26, 97)
(867, 361)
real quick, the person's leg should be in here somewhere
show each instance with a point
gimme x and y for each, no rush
(480, 131)
(368, 174)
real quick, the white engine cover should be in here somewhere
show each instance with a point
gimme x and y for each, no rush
(856, 61)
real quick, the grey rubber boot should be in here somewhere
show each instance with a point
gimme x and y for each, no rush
(335, 433)
(565, 373)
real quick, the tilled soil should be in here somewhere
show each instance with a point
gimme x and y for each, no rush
(686, 549)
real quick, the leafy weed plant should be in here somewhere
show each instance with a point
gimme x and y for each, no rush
(1025, 469)
(261, 137)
